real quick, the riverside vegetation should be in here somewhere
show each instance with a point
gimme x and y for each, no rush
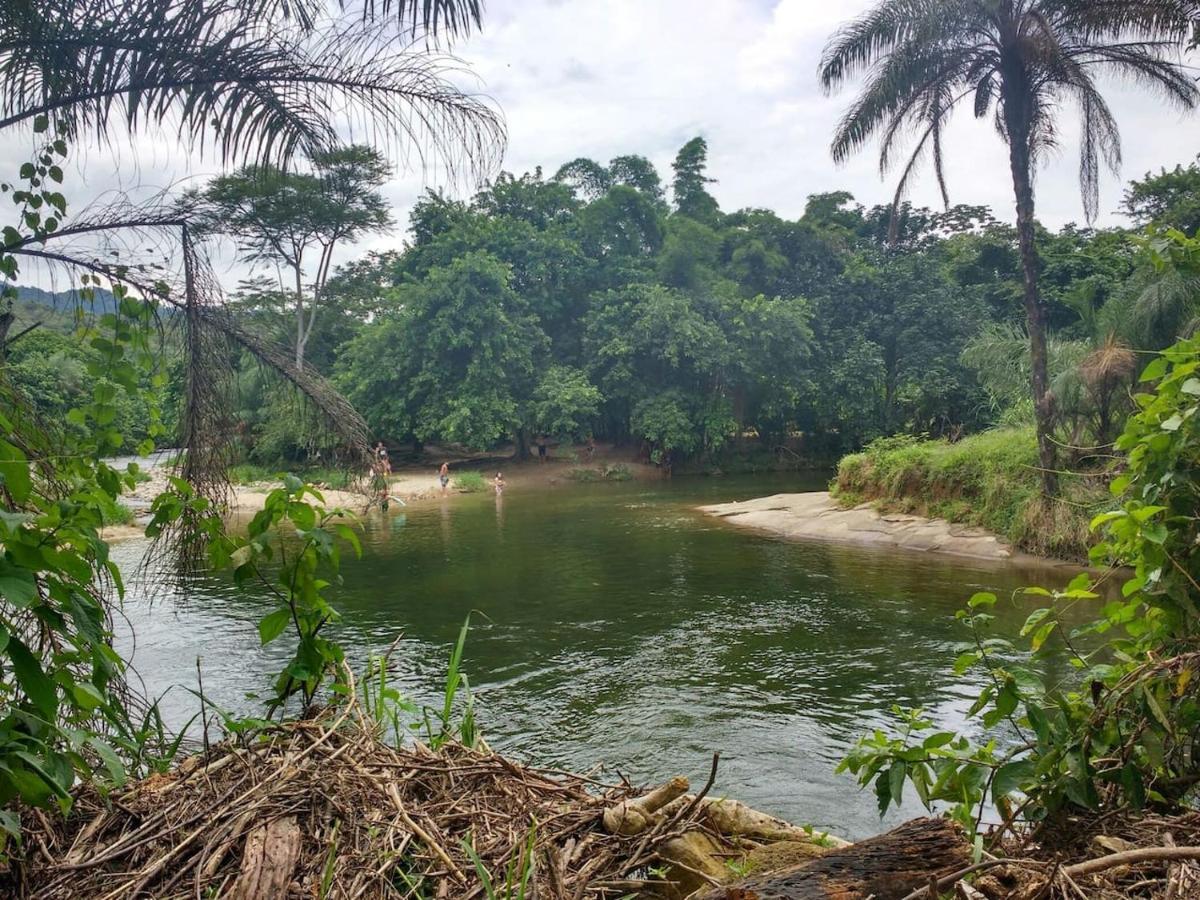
(698, 329)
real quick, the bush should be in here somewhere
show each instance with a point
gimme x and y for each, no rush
(114, 512)
(613, 472)
(988, 479)
(470, 482)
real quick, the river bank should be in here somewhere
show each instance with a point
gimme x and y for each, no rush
(818, 516)
(409, 485)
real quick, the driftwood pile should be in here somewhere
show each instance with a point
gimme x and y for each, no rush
(321, 808)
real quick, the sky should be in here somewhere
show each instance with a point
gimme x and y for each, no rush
(600, 78)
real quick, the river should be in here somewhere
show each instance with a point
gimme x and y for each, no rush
(613, 623)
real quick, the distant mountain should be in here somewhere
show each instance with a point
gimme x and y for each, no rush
(65, 301)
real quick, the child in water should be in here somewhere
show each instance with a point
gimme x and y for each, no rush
(498, 483)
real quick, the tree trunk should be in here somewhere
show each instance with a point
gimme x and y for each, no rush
(299, 320)
(1035, 313)
(521, 442)
(887, 867)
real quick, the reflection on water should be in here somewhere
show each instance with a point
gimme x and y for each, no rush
(613, 623)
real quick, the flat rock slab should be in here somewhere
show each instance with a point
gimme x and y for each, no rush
(817, 516)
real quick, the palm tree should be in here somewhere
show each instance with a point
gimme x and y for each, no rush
(1016, 61)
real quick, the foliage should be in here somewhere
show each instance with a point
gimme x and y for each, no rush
(563, 403)
(610, 472)
(1170, 199)
(454, 360)
(254, 81)
(65, 711)
(1017, 63)
(1120, 733)
(470, 482)
(282, 218)
(304, 572)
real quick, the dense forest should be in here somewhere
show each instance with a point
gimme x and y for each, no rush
(601, 301)
(1043, 383)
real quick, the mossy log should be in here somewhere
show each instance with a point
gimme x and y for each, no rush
(887, 867)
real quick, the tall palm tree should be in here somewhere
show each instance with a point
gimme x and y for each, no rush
(1016, 61)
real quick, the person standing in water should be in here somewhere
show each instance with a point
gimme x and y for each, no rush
(498, 483)
(382, 459)
(541, 445)
(444, 477)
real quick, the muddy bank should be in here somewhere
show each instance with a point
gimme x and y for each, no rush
(817, 516)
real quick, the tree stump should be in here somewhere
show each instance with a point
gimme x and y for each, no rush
(886, 867)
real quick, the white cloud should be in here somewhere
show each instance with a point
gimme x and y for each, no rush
(600, 78)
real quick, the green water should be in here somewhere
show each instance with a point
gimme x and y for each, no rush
(615, 624)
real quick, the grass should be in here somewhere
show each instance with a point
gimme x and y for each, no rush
(252, 473)
(988, 479)
(470, 482)
(114, 512)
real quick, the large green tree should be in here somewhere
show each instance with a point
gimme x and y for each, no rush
(1017, 61)
(294, 221)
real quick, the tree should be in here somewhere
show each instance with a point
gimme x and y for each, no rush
(1017, 60)
(455, 361)
(691, 196)
(1170, 199)
(283, 218)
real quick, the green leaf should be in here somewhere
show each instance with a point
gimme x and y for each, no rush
(17, 585)
(941, 739)
(14, 472)
(273, 625)
(1010, 777)
(983, 598)
(112, 762)
(896, 775)
(1155, 370)
(34, 682)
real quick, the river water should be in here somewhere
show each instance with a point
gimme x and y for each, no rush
(613, 623)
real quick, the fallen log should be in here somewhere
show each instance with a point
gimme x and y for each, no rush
(268, 861)
(887, 867)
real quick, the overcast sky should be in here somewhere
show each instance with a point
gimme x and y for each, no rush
(599, 78)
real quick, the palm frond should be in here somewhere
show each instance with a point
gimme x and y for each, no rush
(880, 31)
(251, 88)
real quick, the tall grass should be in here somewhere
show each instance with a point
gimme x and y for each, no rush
(988, 479)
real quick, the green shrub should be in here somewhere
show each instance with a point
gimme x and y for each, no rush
(114, 512)
(251, 473)
(470, 482)
(612, 472)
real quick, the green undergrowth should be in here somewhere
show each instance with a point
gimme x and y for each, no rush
(611, 472)
(988, 479)
(470, 482)
(253, 473)
(114, 512)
